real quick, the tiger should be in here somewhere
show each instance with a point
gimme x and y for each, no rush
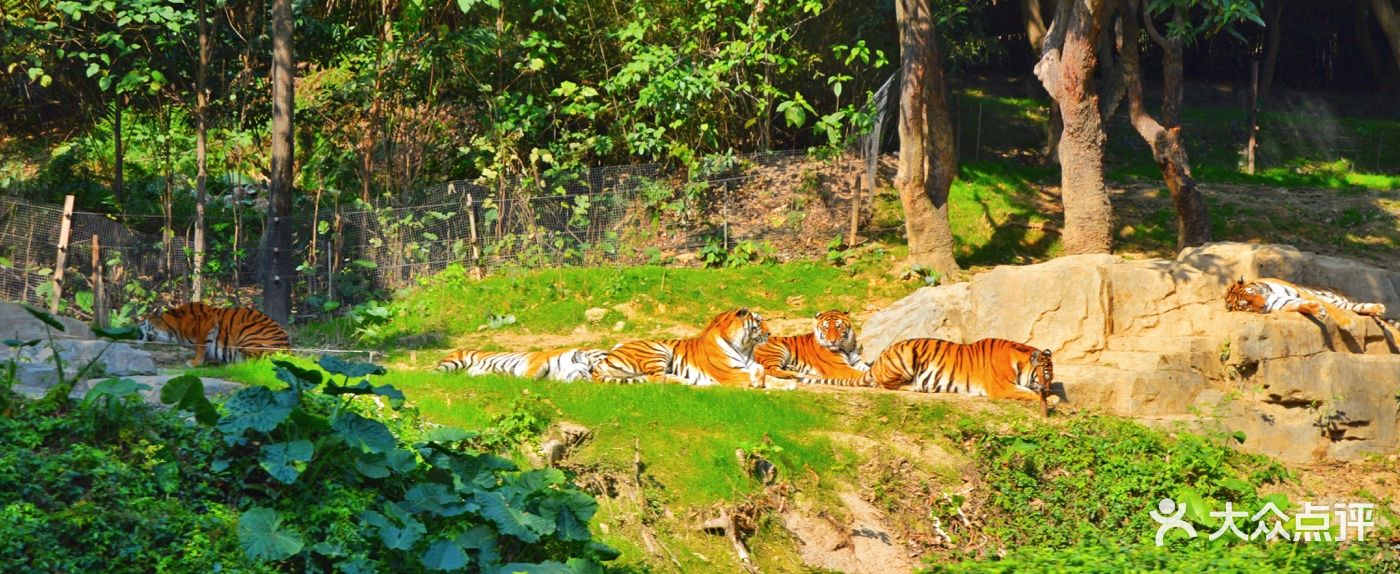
(830, 350)
(993, 368)
(565, 365)
(1270, 295)
(224, 335)
(722, 354)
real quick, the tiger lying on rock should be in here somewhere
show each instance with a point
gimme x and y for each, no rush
(1271, 295)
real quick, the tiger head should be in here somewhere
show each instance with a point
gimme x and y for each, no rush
(741, 328)
(1042, 371)
(1244, 296)
(160, 327)
(834, 331)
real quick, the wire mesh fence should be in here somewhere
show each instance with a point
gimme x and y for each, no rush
(346, 250)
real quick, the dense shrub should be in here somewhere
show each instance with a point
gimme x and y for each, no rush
(303, 478)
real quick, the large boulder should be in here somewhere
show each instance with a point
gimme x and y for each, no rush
(16, 323)
(1152, 338)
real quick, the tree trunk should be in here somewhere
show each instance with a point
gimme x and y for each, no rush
(1275, 24)
(1067, 68)
(1031, 14)
(927, 160)
(1193, 221)
(200, 156)
(1173, 82)
(117, 183)
(1389, 19)
(277, 259)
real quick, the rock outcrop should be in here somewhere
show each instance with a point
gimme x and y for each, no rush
(1152, 339)
(76, 345)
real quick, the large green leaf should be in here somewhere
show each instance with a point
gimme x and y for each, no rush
(512, 521)
(484, 541)
(116, 389)
(400, 534)
(45, 317)
(338, 366)
(444, 555)
(446, 434)
(262, 537)
(296, 377)
(186, 392)
(19, 343)
(377, 465)
(256, 408)
(367, 435)
(547, 567)
(571, 509)
(117, 333)
(434, 498)
(281, 459)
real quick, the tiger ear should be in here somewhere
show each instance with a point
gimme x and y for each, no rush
(742, 312)
(1240, 281)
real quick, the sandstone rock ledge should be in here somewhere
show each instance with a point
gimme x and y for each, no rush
(1152, 339)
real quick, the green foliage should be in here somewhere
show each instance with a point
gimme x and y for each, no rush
(1089, 557)
(1095, 478)
(284, 479)
(743, 253)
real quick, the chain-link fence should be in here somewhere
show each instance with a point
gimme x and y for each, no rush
(346, 251)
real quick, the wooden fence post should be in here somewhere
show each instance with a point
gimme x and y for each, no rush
(855, 212)
(99, 292)
(64, 229)
(1253, 146)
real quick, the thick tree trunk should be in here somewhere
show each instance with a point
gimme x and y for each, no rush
(277, 259)
(927, 159)
(200, 155)
(1172, 77)
(1275, 23)
(117, 183)
(1389, 17)
(1193, 221)
(1067, 68)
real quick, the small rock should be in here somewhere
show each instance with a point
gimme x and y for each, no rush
(618, 326)
(553, 451)
(595, 314)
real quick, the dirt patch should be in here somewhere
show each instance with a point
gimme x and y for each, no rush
(862, 544)
(1354, 223)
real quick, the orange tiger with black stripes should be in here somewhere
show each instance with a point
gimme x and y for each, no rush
(565, 365)
(829, 351)
(223, 335)
(722, 354)
(993, 368)
(1271, 295)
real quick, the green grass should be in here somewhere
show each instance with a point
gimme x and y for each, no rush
(687, 435)
(553, 301)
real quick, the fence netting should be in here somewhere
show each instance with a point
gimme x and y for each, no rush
(345, 250)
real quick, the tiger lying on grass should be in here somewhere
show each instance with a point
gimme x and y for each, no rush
(994, 368)
(829, 351)
(218, 334)
(722, 354)
(559, 365)
(1271, 295)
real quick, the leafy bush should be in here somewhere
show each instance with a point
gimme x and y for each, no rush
(1094, 478)
(1218, 559)
(304, 477)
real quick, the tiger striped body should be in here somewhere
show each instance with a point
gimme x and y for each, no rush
(830, 351)
(994, 368)
(1273, 295)
(219, 335)
(560, 364)
(722, 354)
